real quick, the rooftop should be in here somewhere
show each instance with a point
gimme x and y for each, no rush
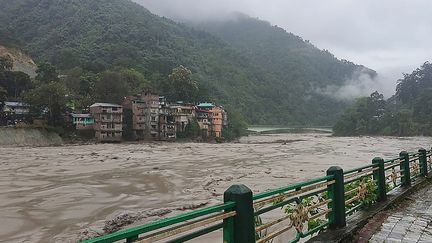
(105, 105)
(82, 115)
(206, 105)
(15, 104)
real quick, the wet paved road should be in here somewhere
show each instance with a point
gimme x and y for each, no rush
(411, 223)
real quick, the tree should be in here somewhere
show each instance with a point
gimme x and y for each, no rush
(366, 116)
(3, 96)
(46, 73)
(135, 80)
(236, 128)
(111, 87)
(48, 97)
(15, 83)
(412, 85)
(6, 63)
(180, 86)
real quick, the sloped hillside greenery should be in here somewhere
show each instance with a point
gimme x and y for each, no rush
(272, 79)
(407, 113)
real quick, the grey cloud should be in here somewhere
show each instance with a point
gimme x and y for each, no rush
(390, 36)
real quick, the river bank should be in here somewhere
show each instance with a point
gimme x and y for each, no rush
(67, 193)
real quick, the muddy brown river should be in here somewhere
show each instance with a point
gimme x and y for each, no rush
(70, 193)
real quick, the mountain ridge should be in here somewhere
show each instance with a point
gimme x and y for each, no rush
(123, 33)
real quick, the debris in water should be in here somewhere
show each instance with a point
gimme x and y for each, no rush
(192, 206)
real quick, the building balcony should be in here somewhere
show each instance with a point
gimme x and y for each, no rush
(109, 129)
(112, 120)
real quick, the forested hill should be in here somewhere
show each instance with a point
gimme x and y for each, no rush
(407, 113)
(272, 79)
(291, 59)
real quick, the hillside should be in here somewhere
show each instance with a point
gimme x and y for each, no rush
(406, 113)
(272, 78)
(301, 72)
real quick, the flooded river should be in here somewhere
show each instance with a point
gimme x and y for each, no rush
(68, 193)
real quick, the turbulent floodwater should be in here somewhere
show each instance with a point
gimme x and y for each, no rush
(68, 193)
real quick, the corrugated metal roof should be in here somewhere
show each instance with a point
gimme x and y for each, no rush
(206, 105)
(105, 105)
(82, 115)
(14, 103)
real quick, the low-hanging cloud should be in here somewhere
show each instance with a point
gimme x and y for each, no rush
(360, 85)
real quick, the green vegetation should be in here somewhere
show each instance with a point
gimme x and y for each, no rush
(269, 75)
(407, 113)
(292, 72)
(192, 130)
(12, 84)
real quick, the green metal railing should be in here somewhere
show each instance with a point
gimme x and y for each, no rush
(296, 211)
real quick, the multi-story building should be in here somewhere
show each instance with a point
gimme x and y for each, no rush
(181, 115)
(134, 122)
(151, 112)
(167, 126)
(108, 121)
(210, 119)
(141, 117)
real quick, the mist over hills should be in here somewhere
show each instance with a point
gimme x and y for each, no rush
(269, 75)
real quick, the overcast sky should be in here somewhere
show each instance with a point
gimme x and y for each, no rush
(389, 36)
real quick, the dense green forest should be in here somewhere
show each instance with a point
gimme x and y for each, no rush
(408, 112)
(297, 69)
(267, 74)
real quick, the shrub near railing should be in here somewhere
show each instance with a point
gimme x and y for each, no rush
(306, 208)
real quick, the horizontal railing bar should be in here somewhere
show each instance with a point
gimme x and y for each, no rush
(312, 231)
(291, 200)
(274, 234)
(181, 225)
(298, 192)
(274, 206)
(313, 193)
(123, 234)
(197, 234)
(292, 187)
(391, 166)
(267, 225)
(351, 191)
(183, 228)
(389, 176)
(319, 204)
(358, 178)
(361, 172)
(359, 169)
(393, 160)
(351, 210)
(325, 212)
(353, 199)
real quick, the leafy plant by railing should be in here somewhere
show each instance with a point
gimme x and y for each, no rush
(364, 193)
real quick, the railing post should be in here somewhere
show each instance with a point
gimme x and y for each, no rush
(379, 176)
(132, 239)
(405, 166)
(242, 228)
(423, 162)
(337, 194)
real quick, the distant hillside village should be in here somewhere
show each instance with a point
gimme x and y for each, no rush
(144, 117)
